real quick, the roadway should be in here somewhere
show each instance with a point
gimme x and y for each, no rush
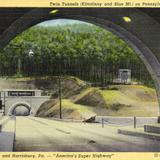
(38, 134)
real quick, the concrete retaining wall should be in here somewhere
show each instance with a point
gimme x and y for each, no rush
(152, 129)
(7, 135)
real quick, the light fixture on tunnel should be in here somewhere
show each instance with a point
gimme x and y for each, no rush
(53, 11)
(127, 19)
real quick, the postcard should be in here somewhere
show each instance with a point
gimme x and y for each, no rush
(79, 80)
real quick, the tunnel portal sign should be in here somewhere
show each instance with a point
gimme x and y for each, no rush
(21, 93)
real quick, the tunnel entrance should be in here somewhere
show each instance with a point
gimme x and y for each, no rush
(20, 109)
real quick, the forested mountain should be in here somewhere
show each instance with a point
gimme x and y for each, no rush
(83, 50)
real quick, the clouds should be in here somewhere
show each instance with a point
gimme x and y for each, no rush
(58, 22)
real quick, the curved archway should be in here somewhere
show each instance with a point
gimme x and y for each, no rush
(144, 40)
(13, 108)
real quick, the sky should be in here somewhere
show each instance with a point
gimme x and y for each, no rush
(60, 22)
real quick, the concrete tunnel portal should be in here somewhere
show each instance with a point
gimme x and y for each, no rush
(24, 109)
(26, 102)
(144, 40)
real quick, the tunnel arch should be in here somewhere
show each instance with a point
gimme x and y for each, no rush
(144, 40)
(16, 105)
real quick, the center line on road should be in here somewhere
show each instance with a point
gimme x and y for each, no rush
(62, 131)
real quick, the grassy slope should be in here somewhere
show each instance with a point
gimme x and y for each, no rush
(115, 103)
(127, 100)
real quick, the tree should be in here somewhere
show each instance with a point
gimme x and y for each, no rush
(82, 50)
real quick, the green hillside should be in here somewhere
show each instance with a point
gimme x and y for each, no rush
(116, 100)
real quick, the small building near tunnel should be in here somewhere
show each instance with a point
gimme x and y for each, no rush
(124, 76)
(10, 99)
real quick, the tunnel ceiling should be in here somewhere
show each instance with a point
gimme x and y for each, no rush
(9, 15)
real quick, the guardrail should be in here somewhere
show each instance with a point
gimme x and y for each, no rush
(125, 121)
(113, 121)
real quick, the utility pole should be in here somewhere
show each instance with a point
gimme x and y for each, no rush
(60, 98)
(1, 104)
(19, 66)
(4, 103)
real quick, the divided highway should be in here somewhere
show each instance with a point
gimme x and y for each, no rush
(38, 134)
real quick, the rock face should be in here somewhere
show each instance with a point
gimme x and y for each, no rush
(90, 120)
(70, 85)
(93, 99)
(45, 107)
